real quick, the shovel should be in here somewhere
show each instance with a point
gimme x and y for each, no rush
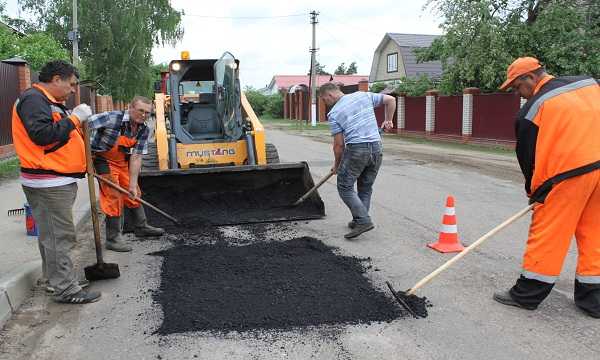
(100, 270)
(415, 305)
(313, 189)
(137, 198)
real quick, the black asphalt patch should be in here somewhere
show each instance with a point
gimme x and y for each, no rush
(266, 285)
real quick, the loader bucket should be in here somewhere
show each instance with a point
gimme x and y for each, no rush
(230, 195)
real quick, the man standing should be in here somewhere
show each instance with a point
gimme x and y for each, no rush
(559, 153)
(356, 147)
(50, 148)
(120, 140)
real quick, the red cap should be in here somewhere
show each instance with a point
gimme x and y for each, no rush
(521, 66)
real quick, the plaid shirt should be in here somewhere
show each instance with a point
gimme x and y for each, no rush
(106, 128)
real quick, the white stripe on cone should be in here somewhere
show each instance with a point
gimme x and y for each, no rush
(449, 229)
(450, 211)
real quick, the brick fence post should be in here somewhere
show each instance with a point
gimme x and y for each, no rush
(322, 111)
(467, 115)
(285, 105)
(363, 85)
(430, 97)
(401, 112)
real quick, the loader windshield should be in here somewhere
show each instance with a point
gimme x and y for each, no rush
(197, 92)
(228, 96)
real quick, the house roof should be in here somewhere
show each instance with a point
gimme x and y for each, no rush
(407, 44)
(286, 81)
(413, 40)
(14, 30)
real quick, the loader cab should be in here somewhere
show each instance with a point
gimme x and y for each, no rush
(205, 104)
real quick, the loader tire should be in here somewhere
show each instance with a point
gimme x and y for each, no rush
(272, 154)
(150, 160)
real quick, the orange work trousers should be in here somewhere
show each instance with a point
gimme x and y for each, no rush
(571, 208)
(111, 199)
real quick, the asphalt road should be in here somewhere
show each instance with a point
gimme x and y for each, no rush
(407, 207)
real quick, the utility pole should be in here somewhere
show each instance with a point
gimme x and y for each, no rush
(313, 77)
(75, 35)
(76, 48)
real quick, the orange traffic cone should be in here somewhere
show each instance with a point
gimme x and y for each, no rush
(448, 240)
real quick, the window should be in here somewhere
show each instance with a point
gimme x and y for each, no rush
(392, 62)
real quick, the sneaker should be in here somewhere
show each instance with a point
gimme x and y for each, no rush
(359, 229)
(82, 297)
(82, 283)
(352, 224)
(504, 297)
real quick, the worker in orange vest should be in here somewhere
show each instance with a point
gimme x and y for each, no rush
(48, 141)
(119, 141)
(558, 148)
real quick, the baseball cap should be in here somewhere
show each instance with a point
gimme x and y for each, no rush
(519, 67)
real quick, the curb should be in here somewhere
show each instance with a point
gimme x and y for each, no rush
(16, 286)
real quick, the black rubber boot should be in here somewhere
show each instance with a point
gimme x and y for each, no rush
(114, 237)
(142, 229)
(504, 297)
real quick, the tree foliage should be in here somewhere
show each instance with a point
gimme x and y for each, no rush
(340, 70)
(37, 48)
(343, 70)
(415, 86)
(270, 105)
(116, 38)
(319, 69)
(377, 87)
(483, 37)
(352, 69)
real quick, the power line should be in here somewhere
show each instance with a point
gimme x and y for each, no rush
(246, 17)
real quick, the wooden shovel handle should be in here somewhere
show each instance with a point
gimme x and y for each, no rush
(92, 191)
(137, 198)
(479, 241)
(314, 188)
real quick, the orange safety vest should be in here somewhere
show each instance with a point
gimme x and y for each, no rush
(557, 133)
(61, 158)
(119, 153)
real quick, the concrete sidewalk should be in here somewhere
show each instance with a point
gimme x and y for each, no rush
(20, 264)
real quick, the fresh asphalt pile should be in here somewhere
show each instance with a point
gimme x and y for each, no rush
(222, 283)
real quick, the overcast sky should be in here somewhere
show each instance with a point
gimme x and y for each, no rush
(278, 44)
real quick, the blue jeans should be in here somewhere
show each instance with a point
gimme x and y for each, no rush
(360, 164)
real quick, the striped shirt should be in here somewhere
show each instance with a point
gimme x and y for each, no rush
(108, 126)
(354, 116)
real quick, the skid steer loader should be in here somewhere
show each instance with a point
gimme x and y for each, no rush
(210, 162)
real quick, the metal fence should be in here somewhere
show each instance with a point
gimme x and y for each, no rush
(9, 91)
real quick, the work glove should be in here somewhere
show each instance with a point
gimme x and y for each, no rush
(83, 112)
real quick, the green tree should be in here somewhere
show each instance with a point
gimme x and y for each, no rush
(351, 70)
(319, 69)
(37, 48)
(377, 87)
(340, 70)
(483, 37)
(415, 86)
(274, 105)
(116, 38)
(257, 100)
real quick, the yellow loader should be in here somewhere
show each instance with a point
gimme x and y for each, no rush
(210, 162)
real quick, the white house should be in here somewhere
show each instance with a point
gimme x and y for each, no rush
(395, 58)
